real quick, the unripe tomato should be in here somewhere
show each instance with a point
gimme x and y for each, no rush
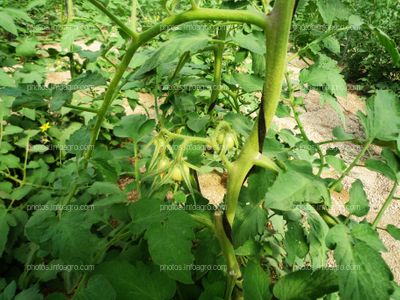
(229, 141)
(163, 164)
(220, 138)
(176, 172)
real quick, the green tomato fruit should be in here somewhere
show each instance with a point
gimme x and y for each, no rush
(177, 174)
(221, 138)
(163, 164)
(229, 141)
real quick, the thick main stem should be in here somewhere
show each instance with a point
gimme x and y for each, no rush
(234, 272)
(277, 34)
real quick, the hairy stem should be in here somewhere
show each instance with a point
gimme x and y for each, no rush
(385, 206)
(351, 166)
(277, 35)
(218, 52)
(134, 15)
(234, 272)
(114, 18)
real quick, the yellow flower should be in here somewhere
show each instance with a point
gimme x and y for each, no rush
(45, 127)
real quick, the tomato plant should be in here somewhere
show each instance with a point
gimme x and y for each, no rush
(96, 202)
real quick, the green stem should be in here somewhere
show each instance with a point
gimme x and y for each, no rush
(134, 15)
(234, 272)
(351, 166)
(277, 34)
(25, 160)
(194, 4)
(386, 204)
(188, 138)
(70, 10)
(305, 136)
(87, 109)
(318, 40)
(218, 52)
(114, 18)
(1, 130)
(205, 14)
(341, 141)
(300, 125)
(109, 95)
(137, 172)
(262, 161)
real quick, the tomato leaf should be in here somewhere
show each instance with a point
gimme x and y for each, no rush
(362, 272)
(382, 120)
(136, 282)
(358, 204)
(306, 285)
(256, 283)
(292, 188)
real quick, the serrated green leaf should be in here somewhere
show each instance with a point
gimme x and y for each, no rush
(362, 272)
(317, 235)
(306, 285)
(170, 243)
(332, 44)
(250, 222)
(27, 48)
(332, 10)
(248, 82)
(173, 251)
(292, 188)
(136, 282)
(6, 80)
(335, 162)
(340, 134)
(131, 126)
(325, 74)
(258, 184)
(11, 130)
(254, 42)
(328, 99)
(97, 288)
(389, 44)
(72, 240)
(31, 293)
(393, 231)
(196, 123)
(86, 80)
(256, 283)
(382, 120)
(172, 50)
(295, 242)
(8, 23)
(364, 232)
(358, 204)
